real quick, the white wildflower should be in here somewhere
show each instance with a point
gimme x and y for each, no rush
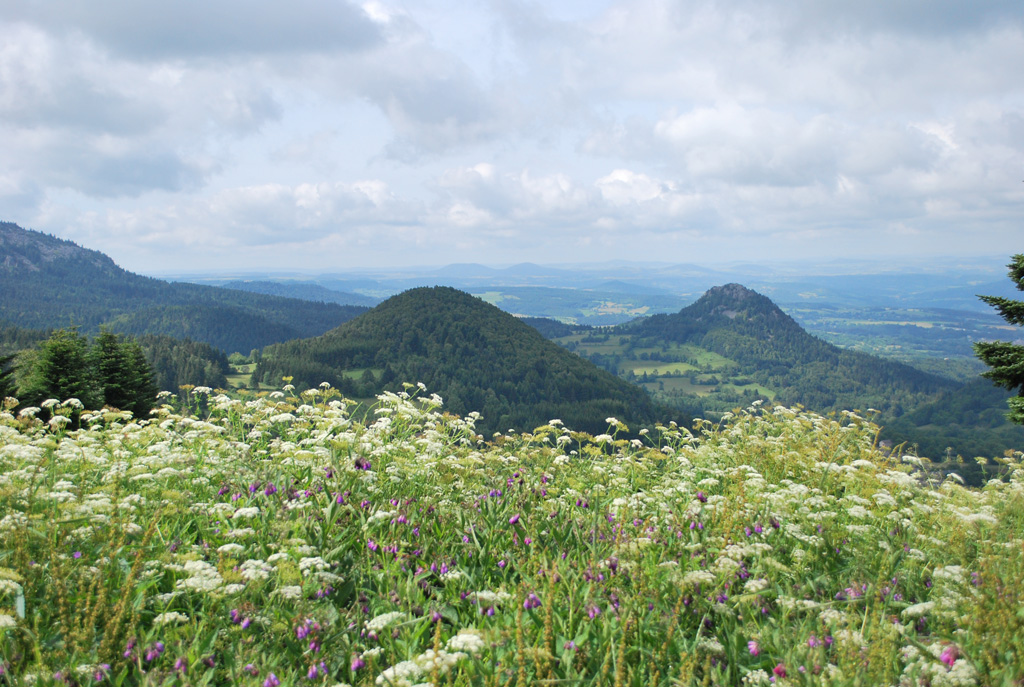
(170, 618)
(378, 623)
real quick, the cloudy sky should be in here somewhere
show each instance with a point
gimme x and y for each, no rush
(325, 135)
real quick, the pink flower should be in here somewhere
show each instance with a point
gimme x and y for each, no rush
(949, 655)
(754, 647)
(780, 670)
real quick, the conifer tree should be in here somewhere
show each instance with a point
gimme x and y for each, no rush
(7, 386)
(1006, 359)
(111, 363)
(62, 369)
(140, 380)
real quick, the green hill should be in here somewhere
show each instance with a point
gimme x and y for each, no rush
(768, 348)
(472, 354)
(48, 282)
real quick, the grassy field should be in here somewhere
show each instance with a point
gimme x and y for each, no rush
(279, 541)
(675, 368)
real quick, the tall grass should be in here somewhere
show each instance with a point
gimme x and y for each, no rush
(274, 540)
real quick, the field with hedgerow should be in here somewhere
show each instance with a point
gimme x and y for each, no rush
(296, 539)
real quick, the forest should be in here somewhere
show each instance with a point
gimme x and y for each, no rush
(472, 354)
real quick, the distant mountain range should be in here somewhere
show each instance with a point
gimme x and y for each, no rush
(48, 282)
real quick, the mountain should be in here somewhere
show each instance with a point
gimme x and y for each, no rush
(303, 290)
(46, 282)
(472, 354)
(768, 347)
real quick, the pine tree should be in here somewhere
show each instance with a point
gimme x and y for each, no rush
(111, 364)
(1005, 359)
(140, 381)
(7, 386)
(61, 368)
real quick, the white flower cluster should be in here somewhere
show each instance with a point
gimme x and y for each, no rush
(468, 640)
(246, 513)
(379, 622)
(400, 675)
(203, 577)
(755, 586)
(170, 618)
(931, 670)
(309, 565)
(9, 587)
(255, 569)
(491, 598)
(695, 577)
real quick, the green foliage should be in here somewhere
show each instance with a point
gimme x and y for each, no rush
(1006, 360)
(178, 362)
(112, 371)
(471, 353)
(552, 329)
(7, 381)
(285, 541)
(62, 369)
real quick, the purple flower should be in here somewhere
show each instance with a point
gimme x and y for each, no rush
(532, 601)
(514, 519)
(593, 612)
(501, 563)
(754, 647)
(357, 662)
(371, 545)
(701, 497)
(76, 555)
(270, 490)
(271, 681)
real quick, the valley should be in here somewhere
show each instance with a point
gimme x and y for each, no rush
(634, 341)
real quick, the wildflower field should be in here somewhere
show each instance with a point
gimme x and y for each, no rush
(277, 540)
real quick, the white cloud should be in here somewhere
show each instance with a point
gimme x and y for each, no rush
(234, 128)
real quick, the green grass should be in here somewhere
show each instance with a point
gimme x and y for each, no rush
(280, 535)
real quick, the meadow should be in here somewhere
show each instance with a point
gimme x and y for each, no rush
(291, 538)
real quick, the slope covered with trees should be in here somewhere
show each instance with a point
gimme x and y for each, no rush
(307, 291)
(474, 355)
(177, 362)
(48, 282)
(769, 347)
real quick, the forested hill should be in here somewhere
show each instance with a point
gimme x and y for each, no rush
(307, 291)
(46, 282)
(472, 354)
(770, 347)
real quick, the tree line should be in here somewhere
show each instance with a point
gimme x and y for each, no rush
(108, 371)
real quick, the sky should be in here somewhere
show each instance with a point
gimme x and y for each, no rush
(324, 135)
